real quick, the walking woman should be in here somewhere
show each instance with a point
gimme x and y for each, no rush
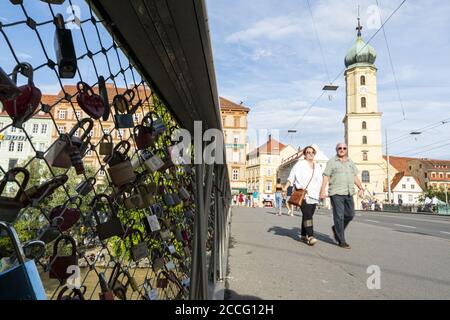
(307, 175)
(279, 196)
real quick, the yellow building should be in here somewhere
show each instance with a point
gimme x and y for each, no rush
(362, 120)
(262, 167)
(234, 121)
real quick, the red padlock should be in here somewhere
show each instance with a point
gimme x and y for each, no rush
(89, 101)
(23, 107)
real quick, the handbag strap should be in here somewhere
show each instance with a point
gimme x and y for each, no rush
(314, 168)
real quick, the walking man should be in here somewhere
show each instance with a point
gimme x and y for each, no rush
(342, 175)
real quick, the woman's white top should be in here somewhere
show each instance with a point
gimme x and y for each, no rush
(301, 174)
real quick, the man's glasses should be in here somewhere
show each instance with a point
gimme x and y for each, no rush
(344, 149)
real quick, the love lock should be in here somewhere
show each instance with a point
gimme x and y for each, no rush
(70, 216)
(106, 148)
(36, 194)
(10, 207)
(144, 135)
(135, 200)
(119, 154)
(122, 120)
(50, 232)
(22, 107)
(138, 251)
(60, 264)
(158, 124)
(59, 154)
(8, 89)
(65, 50)
(103, 92)
(111, 227)
(89, 101)
(85, 187)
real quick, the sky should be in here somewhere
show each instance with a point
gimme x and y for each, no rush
(267, 55)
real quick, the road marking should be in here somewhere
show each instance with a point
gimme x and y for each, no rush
(401, 225)
(445, 232)
(372, 221)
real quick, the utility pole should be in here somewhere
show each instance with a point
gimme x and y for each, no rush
(446, 198)
(388, 164)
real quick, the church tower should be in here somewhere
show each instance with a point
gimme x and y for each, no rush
(362, 120)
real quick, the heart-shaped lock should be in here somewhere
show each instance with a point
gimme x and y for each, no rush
(70, 216)
(59, 264)
(89, 101)
(22, 107)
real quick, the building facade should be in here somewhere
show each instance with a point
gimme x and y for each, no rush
(235, 124)
(15, 149)
(362, 120)
(431, 174)
(262, 167)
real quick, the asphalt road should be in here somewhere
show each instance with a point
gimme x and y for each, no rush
(267, 261)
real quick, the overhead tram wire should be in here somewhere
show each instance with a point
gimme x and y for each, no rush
(421, 147)
(343, 70)
(392, 66)
(422, 130)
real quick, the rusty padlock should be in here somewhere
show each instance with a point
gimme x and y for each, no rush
(89, 101)
(140, 250)
(144, 135)
(122, 173)
(70, 216)
(106, 148)
(134, 200)
(22, 107)
(8, 89)
(11, 206)
(59, 264)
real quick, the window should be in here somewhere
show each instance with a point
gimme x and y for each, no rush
(403, 186)
(136, 117)
(448, 175)
(62, 114)
(364, 140)
(363, 80)
(237, 121)
(89, 153)
(441, 175)
(413, 187)
(236, 157)
(1, 125)
(268, 186)
(13, 129)
(433, 175)
(269, 172)
(11, 146)
(365, 156)
(35, 128)
(20, 146)
(61, 129)
(101, 173)
(365, 177)
(426, 175)
(235, 174)
(363, 102)
(105, 131)
(91, 133)
(364, 125)
(77, 115)
(44, 129)
(12, 163)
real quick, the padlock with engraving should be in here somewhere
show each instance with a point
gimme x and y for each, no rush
(111, 225)
(22, 107)
(119, 154)
(106, 145)
(70, 216)
(103, 92)
(122, 118)
(58, 154)
(134, 200)
(140, 250)
(10, 206)
(59, 264)
(152, 161)
(86, 186)
(65, 49)
(89, 101)
(8, 89)
(151, 223)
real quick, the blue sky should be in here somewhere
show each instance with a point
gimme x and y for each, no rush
(267, 55)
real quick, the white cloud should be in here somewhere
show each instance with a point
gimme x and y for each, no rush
(261, 53)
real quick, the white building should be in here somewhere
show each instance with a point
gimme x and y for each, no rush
(14, 145)
(405, 189)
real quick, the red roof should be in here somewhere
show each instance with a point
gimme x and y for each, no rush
(272, 146)
(227, 104)
(400, 163)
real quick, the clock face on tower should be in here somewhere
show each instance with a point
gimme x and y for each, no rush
(363, 90)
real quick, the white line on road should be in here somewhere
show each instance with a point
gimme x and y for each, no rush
(372, 221)
(401, 225)
(445, 232)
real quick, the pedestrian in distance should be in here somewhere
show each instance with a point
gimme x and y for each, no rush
(288, 205)
(307, 175)
(342, 175)
(279, 197)
(241, 199)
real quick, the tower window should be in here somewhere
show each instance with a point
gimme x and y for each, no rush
(363, 102)
(365, 156)
(364, 125)
(364, 140)
(363, 80)
(365, 177)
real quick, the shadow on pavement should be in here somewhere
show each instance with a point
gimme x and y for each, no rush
(293, 233)
(233, 295)
(324, 238)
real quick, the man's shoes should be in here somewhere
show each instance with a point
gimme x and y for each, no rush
(304, 239)
(311, 241)
(335, 234)
(344, 246)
